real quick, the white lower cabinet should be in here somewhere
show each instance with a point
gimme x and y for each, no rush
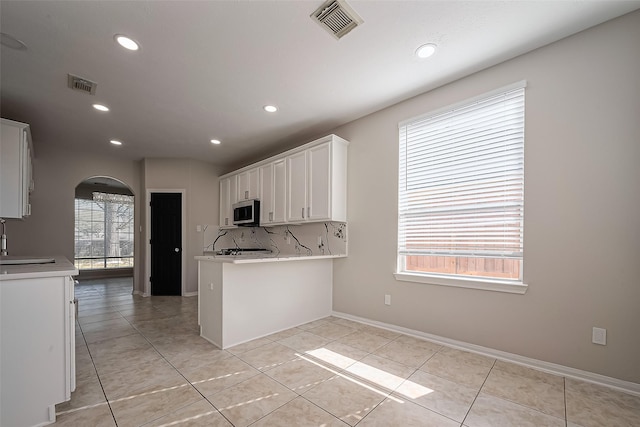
(241, 302)
(37, 361)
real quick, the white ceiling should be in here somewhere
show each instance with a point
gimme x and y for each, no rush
(206, 68)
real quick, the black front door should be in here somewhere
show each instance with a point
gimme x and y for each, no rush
(166, 243)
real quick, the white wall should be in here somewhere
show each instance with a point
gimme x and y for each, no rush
(582, 211)
(50, 228)
(200, 182)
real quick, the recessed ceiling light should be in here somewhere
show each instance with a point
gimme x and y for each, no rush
(426, 50)
(126, 42)
(115, 142)
(270, 108)
(215, 141)
(100, 107)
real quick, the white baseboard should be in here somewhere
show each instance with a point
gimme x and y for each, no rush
(190, 294)
(552, 368)
(140, 293)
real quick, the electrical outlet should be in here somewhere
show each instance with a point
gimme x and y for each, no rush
(599, 336)
(198, 228)
(387, 299)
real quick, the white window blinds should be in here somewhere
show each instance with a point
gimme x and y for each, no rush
(462, 179)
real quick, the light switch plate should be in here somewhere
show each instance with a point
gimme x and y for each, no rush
(599, 336)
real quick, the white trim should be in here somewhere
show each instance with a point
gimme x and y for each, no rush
(141, 293)
(470, 283)
(513, 86)
(147, 284)
(190, 294)
(551, 368)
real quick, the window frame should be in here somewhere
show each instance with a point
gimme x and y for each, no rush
(516, 286)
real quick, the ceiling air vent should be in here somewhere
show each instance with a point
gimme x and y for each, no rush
(337, 17)
(83, 85)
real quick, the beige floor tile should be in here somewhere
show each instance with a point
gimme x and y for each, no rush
(534, 389)
(250, 345)
(104, 325)
(194, 358)
(199, 414)
(96, 416)
(135, 357)
(141, 378)
(437, 394)
(269, 356)
(347, 322)
(380, 372)
(459, 366)
(336, 355)
(107, 334)
(364, 341)
(384, 333)
(591, 405)
(305, 341)
(314, 324)
(299, 412)
(409, 351)
(300, 375)
(490, 411)
(88, 393)
(251, 400)
(86, 320)
(284, 334)
(345, 398)
(137, 410)
(331, 330)
(396, 412)
(116, 345)
(218, 375)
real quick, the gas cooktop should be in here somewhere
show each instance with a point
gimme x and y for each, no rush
(242, 251)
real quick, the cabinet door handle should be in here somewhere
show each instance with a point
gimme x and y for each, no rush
(302, 213)
(308, 212)
(246, 194)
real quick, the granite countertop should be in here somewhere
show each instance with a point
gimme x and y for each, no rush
(271, 257)
(60, 267)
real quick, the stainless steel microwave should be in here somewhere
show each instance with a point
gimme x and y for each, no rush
(247, 213)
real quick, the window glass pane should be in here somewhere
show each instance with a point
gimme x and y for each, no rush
(104, 232)
(461, 190)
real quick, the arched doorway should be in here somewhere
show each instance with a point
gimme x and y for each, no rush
(104, 229)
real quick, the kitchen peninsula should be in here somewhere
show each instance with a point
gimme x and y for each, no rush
(246, 297)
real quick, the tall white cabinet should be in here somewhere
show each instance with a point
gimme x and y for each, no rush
(15, 169)
(305, 184)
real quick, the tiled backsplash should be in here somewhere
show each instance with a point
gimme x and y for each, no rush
(323, 238)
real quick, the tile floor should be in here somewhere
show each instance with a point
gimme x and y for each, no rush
(140, 362)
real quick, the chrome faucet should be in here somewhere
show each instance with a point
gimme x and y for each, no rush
(3, 250)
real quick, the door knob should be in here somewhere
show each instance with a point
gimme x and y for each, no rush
(177, 249)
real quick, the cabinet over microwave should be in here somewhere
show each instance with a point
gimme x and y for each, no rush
(247, 213)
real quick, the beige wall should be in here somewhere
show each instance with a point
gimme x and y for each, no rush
(582, 211)
(200, 182)
(50, 228)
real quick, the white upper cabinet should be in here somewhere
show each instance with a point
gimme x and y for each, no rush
(306, 184)
(297, 187)
(317, 182)
(228, 196)
(249, 184)
(272, 193)
(16, 180)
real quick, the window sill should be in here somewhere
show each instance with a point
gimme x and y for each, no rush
(481, 284)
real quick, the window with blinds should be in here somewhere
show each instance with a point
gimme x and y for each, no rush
(461, 189)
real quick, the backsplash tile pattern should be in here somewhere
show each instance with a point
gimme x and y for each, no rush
(323, 238)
